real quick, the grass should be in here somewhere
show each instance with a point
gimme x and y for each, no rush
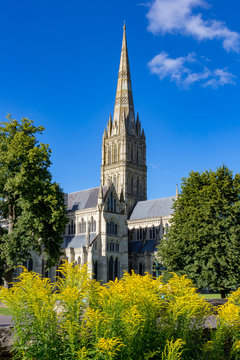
(5, 311)
(211, 296)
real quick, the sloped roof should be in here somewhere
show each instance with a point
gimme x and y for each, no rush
(76, 241)
(84, 199)
(153, 208)
(139, 247)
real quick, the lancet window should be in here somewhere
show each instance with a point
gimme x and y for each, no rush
(112, 203)
(152, 232)
(82, 226)
(112, 228)
(139, 234)
(92, 225)
(71, 227)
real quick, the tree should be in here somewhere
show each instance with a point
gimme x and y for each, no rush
(204, 239)
(32, 203)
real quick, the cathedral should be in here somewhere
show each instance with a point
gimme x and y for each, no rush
(114, 228)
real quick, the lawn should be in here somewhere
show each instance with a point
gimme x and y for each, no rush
(211, 296)
(5, 311)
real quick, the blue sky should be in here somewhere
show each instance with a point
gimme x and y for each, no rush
(59, 64)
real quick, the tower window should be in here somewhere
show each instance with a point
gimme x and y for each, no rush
(115, 153)
(111, 203)
(119, 151)
(112, 228)
(111, 199)
(111, 246)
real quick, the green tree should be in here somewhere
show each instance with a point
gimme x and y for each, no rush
(204, 239)
(32, 203)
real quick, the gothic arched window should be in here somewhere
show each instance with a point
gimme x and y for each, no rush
(72, 227)
(119, 152)
(110, 269)
(112, 228)
(115, 153)
(111, 200)
(116, 267)
(82, 226)
(95, 270)
(92, 225)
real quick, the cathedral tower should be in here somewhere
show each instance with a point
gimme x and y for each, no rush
(123, 144)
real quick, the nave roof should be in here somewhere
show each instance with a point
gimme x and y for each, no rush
(153, 208)
(77, 241)
(84, 199)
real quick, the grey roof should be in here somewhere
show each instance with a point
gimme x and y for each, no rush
(141, 246)
(153, 208)
(76, 241)
(84, 199)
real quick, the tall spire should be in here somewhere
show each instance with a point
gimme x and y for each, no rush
(124, 98)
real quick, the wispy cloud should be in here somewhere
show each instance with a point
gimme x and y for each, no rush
(180, 16)
(185, 71)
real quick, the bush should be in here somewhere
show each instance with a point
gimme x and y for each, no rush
(137, 317)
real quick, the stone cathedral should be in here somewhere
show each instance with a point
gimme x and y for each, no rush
(114, 228)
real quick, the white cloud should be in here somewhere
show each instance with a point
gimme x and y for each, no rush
(185, 71)
(220, 77)
(177, 16)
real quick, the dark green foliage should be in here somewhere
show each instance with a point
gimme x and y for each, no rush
(33, 204)
(204, 239)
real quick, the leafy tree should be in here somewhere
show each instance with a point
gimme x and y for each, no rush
(32, 203)
(204, 239)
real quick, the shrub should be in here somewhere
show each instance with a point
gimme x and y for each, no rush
(225, 342)
(137, 317)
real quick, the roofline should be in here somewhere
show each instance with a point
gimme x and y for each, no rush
(74, 192)
(163, 198)
(146, 219)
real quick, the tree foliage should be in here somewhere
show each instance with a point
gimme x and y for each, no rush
(204, 239)
(32, 203)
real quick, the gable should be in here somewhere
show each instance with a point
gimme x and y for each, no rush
(112, 202)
